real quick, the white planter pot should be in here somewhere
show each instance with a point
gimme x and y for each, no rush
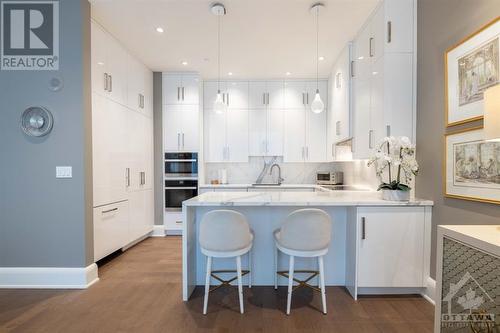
(395, 195)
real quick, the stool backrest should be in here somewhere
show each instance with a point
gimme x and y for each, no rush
(306, 230)
(224, 230)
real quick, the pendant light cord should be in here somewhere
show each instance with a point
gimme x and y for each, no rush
(317, 48)
(218, 53)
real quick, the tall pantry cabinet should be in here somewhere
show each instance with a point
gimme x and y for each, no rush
(122, 145)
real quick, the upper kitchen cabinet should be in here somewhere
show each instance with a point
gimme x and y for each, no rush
(383, 80)
(139, 87)
(234, 93)
(181, 88)
(300, 94)
(109, 65)
(264, 94)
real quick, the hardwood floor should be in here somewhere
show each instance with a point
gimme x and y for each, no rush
(140, 291)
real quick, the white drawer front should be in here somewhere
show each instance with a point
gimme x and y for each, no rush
(110, 228)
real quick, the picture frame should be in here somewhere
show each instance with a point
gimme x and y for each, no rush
(471, 166)
(471, 66)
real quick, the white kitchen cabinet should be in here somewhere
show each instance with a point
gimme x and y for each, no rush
(139, 87)
(266, 94)
(316, 138)
(180, 88)
(210, 89)
(109, 65)
(237, 135)
(275, 94)
(181, 128)
(383, 85)
(395, 258)
(257, 131)
(257, 95)
(295, 94)
(295, 135)
(275, 132)
(236, 94)
(109, 162)
(215, 136)
(141, 208)
(111, 228)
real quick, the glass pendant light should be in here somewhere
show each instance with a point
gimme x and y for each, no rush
(219, 105)
(317, 106)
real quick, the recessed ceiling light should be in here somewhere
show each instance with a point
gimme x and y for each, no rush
(100, 63)
(288, 73)
(321, 58)
(159, 29)
(361, 58)
(184, 63)
(230, 73)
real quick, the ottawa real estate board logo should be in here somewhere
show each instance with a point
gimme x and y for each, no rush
(29, 35)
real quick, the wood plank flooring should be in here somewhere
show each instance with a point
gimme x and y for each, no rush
(140, 291)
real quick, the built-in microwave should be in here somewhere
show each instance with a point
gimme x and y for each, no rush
(181, 165)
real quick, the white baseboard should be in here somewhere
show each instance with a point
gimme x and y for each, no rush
(430, 291)
(48, 277)
(173, 232)
(158, 231)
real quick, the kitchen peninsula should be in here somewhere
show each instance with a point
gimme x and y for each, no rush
(378, 247)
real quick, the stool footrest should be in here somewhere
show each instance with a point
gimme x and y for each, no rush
(225, 282)
(302, 283)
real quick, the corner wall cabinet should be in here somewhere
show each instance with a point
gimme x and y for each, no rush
(122, 150)
(383, 77)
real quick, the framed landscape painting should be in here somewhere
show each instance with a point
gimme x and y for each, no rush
(472, 166)
(471, 67)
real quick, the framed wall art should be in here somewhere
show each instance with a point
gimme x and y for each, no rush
(471, 67)
(472, 166)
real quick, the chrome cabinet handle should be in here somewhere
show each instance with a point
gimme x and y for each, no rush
(389, 32)
(110, 83)
(337, 127)
(267, 98)
(370, 141)
(178, 93)
(352, 68)
(333, 150)
(227, 97)
(303, 99)
(363, 228)
(371, 47)
(223, 98)
(388, 130)
(109, 211)
(178, 222)
(307, 98)
(182, 93)
(182, 140)
(179, 141)
(142, 178)
(263, 98)
(127, 177)
(106, 81)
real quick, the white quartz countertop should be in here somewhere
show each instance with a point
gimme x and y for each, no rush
(484, 237)
(290, 198)
(229, 186)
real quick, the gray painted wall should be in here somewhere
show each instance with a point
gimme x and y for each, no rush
(158, 147)
(44, 221)
(442, 24)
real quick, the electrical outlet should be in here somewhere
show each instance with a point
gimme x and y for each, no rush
(64, 172)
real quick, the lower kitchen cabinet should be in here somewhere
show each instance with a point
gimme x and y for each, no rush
(141, 214)
(111, 225)
(386, 248)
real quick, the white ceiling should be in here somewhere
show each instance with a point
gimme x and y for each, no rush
(260, 38)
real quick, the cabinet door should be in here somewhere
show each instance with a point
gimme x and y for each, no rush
(398, 94)
(141, 214)
(237, 135)
(257, 95)
(295, 94)
(148, 92)
(276, 94)
(148, 153)
(341, 93)
(237, 95)
(171, 86)
(215, 136)
(361, 118)
(135, 84)
(109, 129)
(190, 90)
(136, 148)
(117, 68)
(172, 127)
(275, 132)
(395, 258)
(377, 26)
(99, 60)
(362, 57)
(311, 87)
(110, 229)
(377, 112)
(295, 135)
(210, 89)
(190, 134)
(257, 127)
(399, 14)
(316, 136)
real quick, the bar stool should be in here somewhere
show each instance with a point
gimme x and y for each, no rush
(305, 233)
(225, 234)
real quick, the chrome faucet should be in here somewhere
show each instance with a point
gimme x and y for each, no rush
(279, 172)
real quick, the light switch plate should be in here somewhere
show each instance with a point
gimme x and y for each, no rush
(64, 172)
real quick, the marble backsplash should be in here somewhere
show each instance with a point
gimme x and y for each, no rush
(355, 172)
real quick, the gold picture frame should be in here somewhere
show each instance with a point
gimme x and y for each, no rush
(468, 189)
(467, 87)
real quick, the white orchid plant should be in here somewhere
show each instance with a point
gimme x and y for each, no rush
(395, 158)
